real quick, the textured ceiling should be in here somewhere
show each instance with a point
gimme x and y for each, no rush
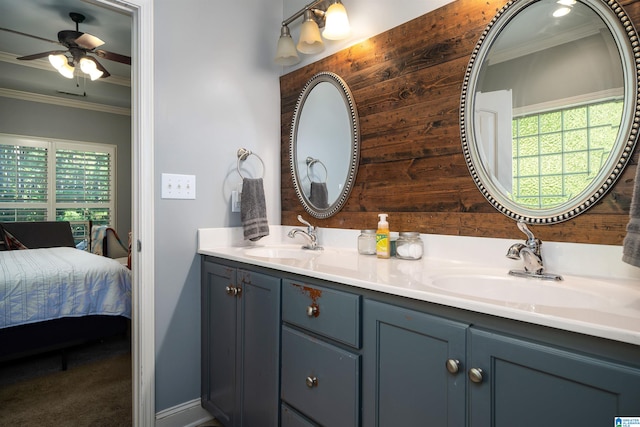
(44, 18)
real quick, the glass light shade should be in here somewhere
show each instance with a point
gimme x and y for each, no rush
(310, 40)
(66, 70)
(57, 60)
(95, 74)
(286, 53)
(87, 65)
(337, 23)
(561, 11)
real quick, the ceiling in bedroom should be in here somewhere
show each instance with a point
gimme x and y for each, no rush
(36, 79)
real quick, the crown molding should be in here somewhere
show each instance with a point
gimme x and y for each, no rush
(63, 102)
(43, 64)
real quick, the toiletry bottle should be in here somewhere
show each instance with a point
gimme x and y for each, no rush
(383, 248)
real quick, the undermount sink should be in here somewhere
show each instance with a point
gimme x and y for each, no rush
(517, 290)
(281, 252)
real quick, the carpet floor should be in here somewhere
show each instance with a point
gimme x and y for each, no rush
(94, 391)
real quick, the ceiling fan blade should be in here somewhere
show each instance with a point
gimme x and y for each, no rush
(88, 41)
(28, 35)
(68, 37)
(40, 55)
(113, 56)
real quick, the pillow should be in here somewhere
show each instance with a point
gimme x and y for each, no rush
(11, 243)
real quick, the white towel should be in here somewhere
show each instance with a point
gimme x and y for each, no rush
(253, 209)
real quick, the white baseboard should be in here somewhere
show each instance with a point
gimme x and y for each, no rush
(188, 414)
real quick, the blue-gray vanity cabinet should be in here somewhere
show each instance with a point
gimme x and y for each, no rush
(240, 345)
(413, 368)
(529, 384)
(320, 376)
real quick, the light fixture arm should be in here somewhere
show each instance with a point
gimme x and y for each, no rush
(298, 14)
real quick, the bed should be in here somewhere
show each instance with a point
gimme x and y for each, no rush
(54, 296)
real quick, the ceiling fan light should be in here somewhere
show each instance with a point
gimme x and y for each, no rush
(58, 60)
(67, 70)
(87, 65)
(337, 22)
(310, 41)
(95, 74)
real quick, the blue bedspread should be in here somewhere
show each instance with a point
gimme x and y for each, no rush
(45, 284)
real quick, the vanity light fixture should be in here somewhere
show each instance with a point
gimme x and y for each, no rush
(65, 66)
(329, 14)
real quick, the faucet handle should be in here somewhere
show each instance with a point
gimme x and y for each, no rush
(302, 220)
(523, 227)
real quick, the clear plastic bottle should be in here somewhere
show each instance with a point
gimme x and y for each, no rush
(383, 244)
(367, 242)
(409, 245)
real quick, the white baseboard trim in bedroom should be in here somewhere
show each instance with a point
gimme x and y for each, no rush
(188, 414)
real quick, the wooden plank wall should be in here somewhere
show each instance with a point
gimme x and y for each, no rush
(407, 83)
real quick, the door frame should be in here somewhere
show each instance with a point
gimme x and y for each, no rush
(142, 174)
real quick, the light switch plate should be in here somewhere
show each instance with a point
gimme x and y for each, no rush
(176, 186)
(235, 201)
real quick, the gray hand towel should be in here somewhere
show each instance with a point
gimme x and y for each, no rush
(319, 195)
(253, 209)
(631, 244)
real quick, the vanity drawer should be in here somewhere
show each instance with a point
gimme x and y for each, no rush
(320, 380)
(289, 417)
(334, 314)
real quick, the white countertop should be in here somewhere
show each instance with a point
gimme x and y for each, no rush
(599, 296)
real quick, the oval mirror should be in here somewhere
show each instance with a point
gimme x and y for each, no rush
(324, 148)
(548, 111)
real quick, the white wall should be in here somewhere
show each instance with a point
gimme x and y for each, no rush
(217, 89)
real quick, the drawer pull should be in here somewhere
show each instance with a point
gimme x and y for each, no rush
(312, 311)
(475, 375)
(312, 382)
(232, 290)
(453, 366)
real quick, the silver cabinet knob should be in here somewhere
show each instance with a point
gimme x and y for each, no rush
(453, 366)
(312, 311)
(312, 382)
(475, 375)
(232, 290)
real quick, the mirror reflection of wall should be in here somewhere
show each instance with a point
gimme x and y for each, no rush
(324, 134)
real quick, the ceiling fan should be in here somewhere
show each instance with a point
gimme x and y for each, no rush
(80, 50)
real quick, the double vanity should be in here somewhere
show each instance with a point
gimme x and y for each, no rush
(296, 337)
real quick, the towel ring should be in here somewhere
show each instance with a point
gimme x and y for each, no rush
(310, 162)
(243, 153)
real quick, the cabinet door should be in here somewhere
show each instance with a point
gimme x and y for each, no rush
(406, 381)
(219, 324)
(529, 384)
(260, 348)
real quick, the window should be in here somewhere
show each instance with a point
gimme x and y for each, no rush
(46, 180)
(557, 153)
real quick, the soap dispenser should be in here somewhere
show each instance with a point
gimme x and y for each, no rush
(383, 245)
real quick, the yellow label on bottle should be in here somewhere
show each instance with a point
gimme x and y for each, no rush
(382, 244)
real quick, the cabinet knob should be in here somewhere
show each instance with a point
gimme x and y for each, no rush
(475, 375)
(312, 382)
(312, 311)
(453, 366)
(232, 290)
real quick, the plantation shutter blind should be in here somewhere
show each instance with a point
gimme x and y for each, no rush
(23, 182)
(83, 177)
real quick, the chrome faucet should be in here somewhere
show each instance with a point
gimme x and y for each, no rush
(531, 254)
(311, 235)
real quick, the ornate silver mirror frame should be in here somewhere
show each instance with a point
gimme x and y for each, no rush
(615, 26)
(324, 149)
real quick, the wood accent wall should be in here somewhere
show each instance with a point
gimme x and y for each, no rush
(406, 84)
